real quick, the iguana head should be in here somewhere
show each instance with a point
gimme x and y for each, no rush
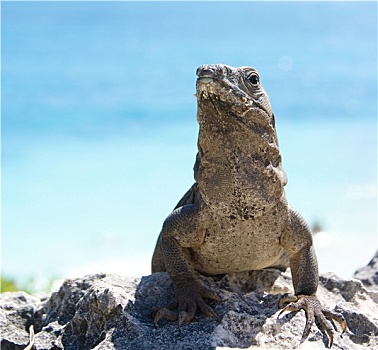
(239, 163)
(229, 96)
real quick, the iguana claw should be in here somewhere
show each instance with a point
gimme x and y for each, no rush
(314, 311)
(189, 298)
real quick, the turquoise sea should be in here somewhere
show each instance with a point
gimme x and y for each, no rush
(99, 129)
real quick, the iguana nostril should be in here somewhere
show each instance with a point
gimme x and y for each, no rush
(209, 70)
(204, 71)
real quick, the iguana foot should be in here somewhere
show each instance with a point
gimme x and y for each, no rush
(314, 311)
(189, 297)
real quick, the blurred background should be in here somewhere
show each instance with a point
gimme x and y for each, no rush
(99, 124)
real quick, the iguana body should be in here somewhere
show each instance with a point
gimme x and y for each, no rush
(236, 217)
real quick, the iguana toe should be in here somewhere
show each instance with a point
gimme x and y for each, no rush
(164, 314)
(314, 311)
(189, 298)
(207, 310)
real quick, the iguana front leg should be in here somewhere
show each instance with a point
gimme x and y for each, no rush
(304, 269)
(181, 231)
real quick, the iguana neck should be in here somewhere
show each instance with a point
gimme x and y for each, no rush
(235, 180)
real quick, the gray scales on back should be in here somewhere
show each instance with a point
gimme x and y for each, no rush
(236, 217)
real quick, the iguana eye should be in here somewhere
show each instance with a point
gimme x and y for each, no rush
(254, 79)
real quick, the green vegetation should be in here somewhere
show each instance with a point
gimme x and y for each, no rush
(30, 286)
(7, 285)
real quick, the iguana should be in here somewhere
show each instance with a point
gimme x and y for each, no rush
(236, 217)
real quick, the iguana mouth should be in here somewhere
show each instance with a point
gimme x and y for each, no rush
(217, 89)
(218, 86)
(206, 79)
(216, 80)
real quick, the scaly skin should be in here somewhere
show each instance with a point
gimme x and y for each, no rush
(236, 217)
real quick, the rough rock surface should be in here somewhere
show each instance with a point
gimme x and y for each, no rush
(368, 274)
(113, 312)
